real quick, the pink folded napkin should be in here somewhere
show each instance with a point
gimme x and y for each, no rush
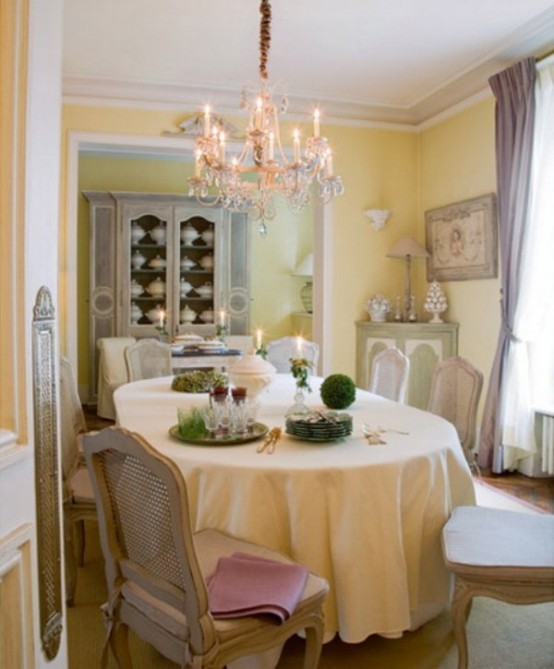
(244, 585)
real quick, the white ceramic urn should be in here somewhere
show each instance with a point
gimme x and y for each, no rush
(253, 373)
(188, 315)
(158, 234)
(156, 287)
(188, 234)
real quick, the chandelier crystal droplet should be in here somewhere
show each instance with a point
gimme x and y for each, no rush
(248, 182)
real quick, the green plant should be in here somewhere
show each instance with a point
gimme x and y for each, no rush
(300, 369)
(338, 391)
(191, 424)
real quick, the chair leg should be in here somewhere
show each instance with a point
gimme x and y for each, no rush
(70, 563)
(119, 644)
(461, 606)
(79, 529)
(314, 641)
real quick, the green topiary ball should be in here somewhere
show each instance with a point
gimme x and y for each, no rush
(338, 391)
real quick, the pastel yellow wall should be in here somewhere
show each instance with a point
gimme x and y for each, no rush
(407, 172)
(379, 168)
(457, 161)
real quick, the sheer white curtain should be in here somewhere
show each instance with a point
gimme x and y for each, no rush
(529, 380)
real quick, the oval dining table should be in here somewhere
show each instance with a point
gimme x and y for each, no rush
(366, 517)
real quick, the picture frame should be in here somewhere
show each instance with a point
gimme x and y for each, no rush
(462, 240)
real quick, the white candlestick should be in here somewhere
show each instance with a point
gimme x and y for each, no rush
(222, 317)
(162, 316)
(299, 346)
(222, 147)
(296, 145)
(329, 164)
(258, 114)
(197, 165)
(207, 121)
(316, 123)
(258, 340)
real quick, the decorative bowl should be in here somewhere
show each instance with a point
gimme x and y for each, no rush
(207, 261)
(207, 316)
(156, 287)
(253, 373)
(206, 291)
(158, 234)
(187, 263)
(157, 263)
(188, 234)
(188, 315)
(137, 260)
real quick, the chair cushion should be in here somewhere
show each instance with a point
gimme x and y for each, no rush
(502, 544)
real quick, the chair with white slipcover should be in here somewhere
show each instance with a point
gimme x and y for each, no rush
(280, 352)
(389, 374)
(112, 372)
(157, 568)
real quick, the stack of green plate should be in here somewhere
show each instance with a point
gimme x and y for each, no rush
(320, 426)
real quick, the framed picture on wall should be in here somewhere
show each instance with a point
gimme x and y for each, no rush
(461, 239)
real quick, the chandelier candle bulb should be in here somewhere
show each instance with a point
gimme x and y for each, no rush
(296, 145)
(271, 151)
(258, 114)
(197, 165)
(222, 147)
(316, 123)
(207, 121)
(329, 164)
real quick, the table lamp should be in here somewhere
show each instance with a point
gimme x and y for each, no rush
(306, 269)
(408, 248)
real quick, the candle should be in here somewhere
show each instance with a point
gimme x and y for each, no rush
(329, 164)
(162, 316)
(299, 346)
(271, 152)
(296, 145)
(258, 114)
(316, 122)
(222, 317)
(258, 340)
(207, 121)
(197, 165)
(222, 147)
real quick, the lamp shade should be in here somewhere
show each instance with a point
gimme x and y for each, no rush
(306, 266)
(407, 246)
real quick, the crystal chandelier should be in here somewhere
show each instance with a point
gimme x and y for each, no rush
(248, 182)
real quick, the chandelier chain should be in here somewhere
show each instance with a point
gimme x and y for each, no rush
(265, 37)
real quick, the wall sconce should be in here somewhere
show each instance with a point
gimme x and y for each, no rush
(378, 217)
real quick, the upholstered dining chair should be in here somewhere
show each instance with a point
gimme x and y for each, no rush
(157, 568)
(389, 374)
(280, 351)
(507, 555)
(455, 390)
(78, 497)
(147, 359)
(112, 372)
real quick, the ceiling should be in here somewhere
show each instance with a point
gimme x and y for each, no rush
(392, 61)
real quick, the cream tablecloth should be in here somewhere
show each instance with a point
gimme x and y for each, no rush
(367, 518)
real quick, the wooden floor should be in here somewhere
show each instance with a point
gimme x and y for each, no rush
(537, 491)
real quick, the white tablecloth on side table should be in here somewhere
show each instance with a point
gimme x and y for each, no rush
(367, 518)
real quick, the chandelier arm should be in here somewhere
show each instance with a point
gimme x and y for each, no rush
(265, 37)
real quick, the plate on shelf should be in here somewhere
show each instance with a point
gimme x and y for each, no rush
(259, 431)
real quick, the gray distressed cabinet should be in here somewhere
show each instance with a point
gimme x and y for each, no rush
(154, 256)
(425, 344)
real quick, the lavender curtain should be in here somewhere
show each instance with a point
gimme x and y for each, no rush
(515, 118)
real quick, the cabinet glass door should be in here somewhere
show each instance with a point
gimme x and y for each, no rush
(149, 280)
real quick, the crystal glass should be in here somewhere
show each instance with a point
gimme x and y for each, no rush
(211, 420)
